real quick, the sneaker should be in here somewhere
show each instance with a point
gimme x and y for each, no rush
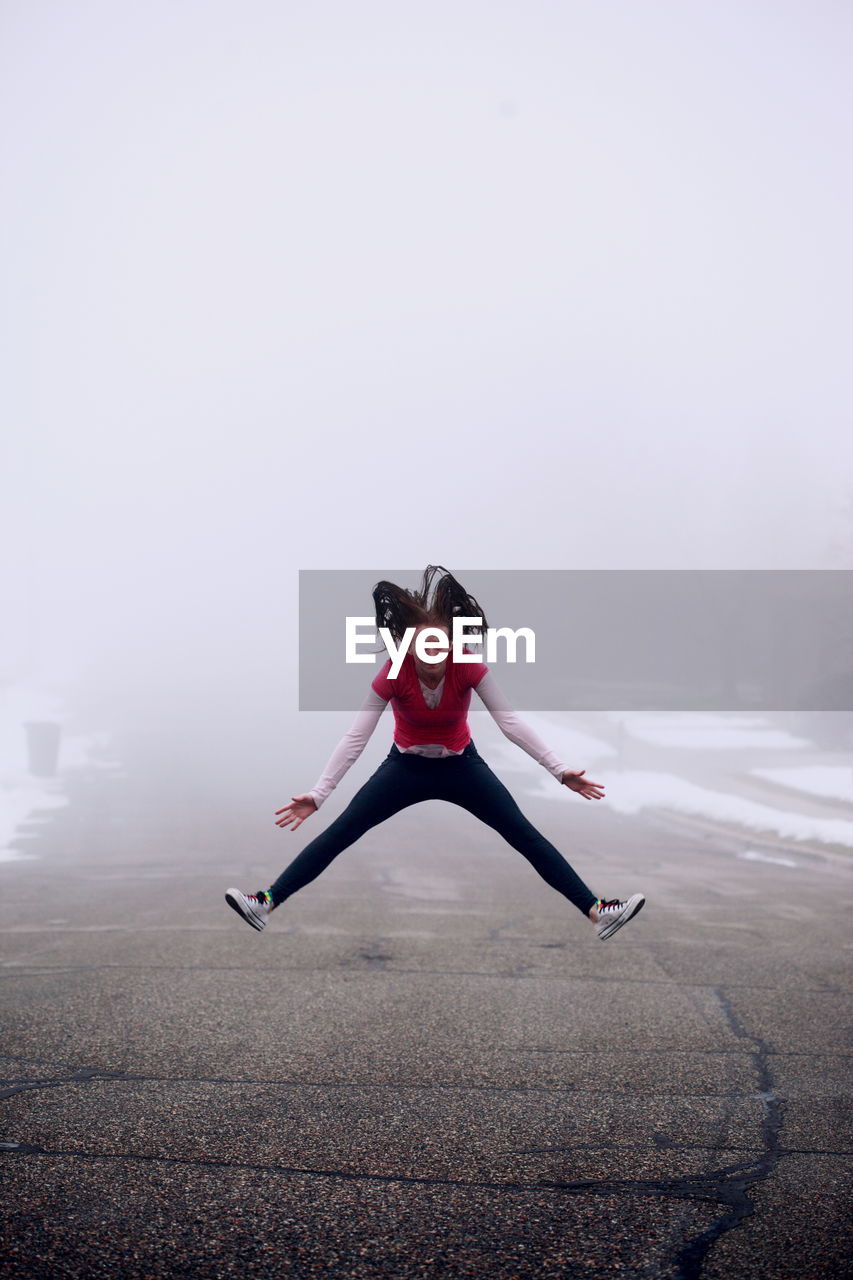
(253, 907)
(612, 915)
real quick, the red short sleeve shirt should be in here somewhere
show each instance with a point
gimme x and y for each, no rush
(416, 724)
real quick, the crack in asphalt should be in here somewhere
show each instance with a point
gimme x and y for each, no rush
(376, 953)
(505, 1048)
(8, 969)
(710, 1187)
(126, 1077)
(732, 1186)
(729, 1186)
(83, 1074)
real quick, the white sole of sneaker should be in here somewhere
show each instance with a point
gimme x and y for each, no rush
(234, 898)
(632, 906)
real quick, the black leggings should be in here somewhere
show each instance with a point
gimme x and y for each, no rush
(404, 779)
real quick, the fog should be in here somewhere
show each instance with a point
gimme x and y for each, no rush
(355, 286)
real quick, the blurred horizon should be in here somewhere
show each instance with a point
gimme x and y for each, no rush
(552, 287)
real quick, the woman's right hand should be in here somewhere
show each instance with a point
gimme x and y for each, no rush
(295, 813)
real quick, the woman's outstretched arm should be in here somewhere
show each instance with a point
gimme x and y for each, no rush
(514, 728)
(342, 758)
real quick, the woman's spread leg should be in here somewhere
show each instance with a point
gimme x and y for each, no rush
(394, 786)
(471, 784)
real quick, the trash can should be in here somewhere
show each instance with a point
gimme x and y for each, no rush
(43, 747)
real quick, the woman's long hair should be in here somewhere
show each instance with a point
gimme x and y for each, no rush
(397, 608)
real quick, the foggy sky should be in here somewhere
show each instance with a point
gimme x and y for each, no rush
(540, 285)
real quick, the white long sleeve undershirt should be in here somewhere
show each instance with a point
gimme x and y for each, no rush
(356, 738)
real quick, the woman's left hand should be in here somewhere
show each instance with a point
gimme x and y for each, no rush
(577, 782)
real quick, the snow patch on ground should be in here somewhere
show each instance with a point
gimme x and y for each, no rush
(24, 797)
(833, 782)
(635, 790)
(702, 731)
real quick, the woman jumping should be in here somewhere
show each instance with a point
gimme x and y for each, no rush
(432, 757)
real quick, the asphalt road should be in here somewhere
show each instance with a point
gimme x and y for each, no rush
(428, 1064)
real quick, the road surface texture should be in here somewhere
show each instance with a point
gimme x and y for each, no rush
(428, 1064)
